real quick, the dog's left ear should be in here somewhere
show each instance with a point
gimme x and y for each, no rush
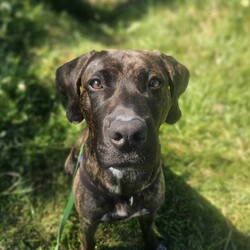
(179, 76)
(67, 82)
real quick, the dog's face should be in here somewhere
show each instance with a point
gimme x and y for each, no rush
(124, 96)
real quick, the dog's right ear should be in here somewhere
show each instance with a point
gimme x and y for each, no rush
(67, 82)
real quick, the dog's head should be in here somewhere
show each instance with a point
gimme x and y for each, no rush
(125, 96)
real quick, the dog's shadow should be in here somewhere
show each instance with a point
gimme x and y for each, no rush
(186, 221)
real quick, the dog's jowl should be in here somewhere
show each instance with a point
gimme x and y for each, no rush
(124, 96)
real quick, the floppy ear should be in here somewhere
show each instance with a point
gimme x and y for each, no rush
(67, 82)
(179, 76)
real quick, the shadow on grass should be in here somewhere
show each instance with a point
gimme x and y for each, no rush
(187, 221)
(101, 20)
(107, 11)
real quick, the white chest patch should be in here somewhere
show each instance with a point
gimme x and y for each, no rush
(144, 211)
(122, 213)
(116, 173)
(115, 189)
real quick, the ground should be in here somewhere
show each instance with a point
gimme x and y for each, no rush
(206, 154)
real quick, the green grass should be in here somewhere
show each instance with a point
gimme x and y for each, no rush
(206, 154)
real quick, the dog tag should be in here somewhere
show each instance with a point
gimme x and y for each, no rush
(131, 201)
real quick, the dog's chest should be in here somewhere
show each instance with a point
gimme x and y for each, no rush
(124, 207)
(124, 210)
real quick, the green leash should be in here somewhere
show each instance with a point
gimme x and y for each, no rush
(70, 203)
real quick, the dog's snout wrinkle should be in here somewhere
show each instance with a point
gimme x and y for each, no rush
(127, 133)
(124, 118)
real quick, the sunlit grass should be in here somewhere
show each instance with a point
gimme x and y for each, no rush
(208, 196)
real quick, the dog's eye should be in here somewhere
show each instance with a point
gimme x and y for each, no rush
(154, 83)
(95, 84)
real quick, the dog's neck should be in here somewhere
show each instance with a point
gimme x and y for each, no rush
(108, 186)
(115, 181)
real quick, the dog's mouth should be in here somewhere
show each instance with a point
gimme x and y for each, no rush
(131, 159)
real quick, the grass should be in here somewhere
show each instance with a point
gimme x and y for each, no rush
(206, 154)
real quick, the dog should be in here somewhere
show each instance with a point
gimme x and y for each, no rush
(124, 96)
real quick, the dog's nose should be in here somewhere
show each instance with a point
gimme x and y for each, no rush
(127, 134)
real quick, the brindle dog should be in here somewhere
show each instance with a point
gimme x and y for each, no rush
(124, 96)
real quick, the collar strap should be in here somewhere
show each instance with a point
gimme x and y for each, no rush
(89, 184)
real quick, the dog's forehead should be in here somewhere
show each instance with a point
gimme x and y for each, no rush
(125, 60)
